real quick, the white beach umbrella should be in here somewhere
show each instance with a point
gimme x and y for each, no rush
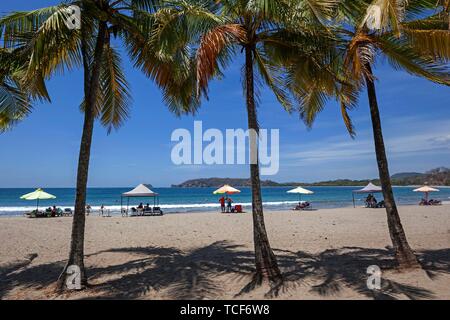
(300, 191)
(426, 190)
(38, 194)
(226, 189)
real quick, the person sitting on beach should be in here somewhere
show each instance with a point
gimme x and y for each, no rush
(369, 200)
(222, 204)
(54, 211)
(229, 202)
(147, 207)
(140, 208)
(374, 202)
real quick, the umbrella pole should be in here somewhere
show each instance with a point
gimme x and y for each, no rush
(37, 206)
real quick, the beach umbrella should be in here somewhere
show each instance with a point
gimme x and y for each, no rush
(300, 191)
(38, 194)
(226, 189)
(426, 190)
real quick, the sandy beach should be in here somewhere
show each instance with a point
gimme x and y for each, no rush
(324, 254)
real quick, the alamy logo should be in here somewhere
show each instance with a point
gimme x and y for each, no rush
(374, 279)
(73, 280)
(236, 146)
(73, 19)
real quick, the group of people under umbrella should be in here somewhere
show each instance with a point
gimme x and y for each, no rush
(371, 202)
(226, 203)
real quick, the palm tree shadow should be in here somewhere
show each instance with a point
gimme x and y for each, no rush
(184, 275)
(200, 273)
(335, 269)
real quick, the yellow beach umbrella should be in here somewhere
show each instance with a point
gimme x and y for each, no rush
(38, 194)
(226, 189)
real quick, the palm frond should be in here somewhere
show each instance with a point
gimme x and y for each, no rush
(402, 56)
(212, 44)
(114, 90)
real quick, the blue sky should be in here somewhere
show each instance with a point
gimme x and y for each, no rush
(43, 149)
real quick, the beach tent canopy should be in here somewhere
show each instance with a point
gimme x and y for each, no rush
(426, 189)
(140, 191)
(38, 194)
(370, 188)
(226, 189)
(300, 190)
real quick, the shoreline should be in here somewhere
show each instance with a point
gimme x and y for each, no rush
(179, 256)
(210, 208)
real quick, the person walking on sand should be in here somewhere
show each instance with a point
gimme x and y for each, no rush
(222, 204)
(88, 209)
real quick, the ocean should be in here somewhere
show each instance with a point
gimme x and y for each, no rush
(185, 200)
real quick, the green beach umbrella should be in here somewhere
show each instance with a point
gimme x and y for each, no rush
(38, 194)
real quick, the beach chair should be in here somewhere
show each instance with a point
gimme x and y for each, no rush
(147, 211)
(433, 202)
(68, 212)
(305, 205)
(380, 204)
(157, 211)
(238, 208)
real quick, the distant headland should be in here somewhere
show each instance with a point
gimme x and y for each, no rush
(437, 177)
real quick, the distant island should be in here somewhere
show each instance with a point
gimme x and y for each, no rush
(437, 177)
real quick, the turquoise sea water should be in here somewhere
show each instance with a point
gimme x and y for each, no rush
(174, 200)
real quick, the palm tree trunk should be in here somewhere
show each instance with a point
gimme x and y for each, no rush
(92, 83)
(265, 261)
(403, 253)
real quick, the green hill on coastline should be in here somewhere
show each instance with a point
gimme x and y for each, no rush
(438, 177)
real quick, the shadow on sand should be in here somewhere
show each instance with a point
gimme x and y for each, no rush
(196, 274)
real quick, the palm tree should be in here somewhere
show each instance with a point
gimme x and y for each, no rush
(269, 34)
(54, 47)
(360, 47)
(16, 97)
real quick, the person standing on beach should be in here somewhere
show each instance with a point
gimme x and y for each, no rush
(229, 202)
(88, 209)
(222, 204)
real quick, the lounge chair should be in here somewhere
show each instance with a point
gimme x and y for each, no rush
(68, 212)
(380, 204)
(435, 202)
(431, 202)
(305, 205)
(157, 211)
